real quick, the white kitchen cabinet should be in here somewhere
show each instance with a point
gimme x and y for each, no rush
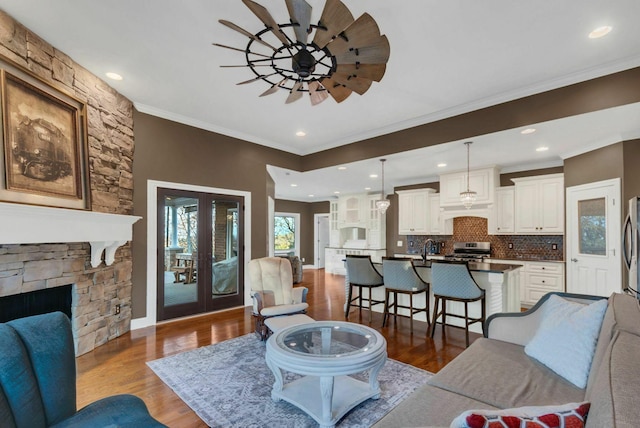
(482, 181)
(435, 219)
(334, 225)
(537, 278)
(541, 278)
(352, 211)
(504, 210)
(539, 205)
(334, 258)
(376, 230)
(413, 211)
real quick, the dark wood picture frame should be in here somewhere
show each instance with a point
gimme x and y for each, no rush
(44, 142)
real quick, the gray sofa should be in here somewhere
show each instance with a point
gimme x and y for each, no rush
(495, 373)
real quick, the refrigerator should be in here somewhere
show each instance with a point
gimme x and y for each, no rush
(630, 246)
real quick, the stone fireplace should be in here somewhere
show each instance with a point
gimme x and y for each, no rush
(72, 256)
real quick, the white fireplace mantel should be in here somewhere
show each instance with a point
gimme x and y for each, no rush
(30, 224)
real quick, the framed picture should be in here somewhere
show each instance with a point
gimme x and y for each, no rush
(44, 142)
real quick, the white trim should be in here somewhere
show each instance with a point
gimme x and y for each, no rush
(152, 242)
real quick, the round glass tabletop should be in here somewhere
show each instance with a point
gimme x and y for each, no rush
(328, 339)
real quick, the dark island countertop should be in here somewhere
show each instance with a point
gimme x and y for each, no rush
(476, 267)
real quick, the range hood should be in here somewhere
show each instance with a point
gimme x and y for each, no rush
(30, 224)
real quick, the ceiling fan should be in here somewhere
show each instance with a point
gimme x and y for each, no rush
(337, 56)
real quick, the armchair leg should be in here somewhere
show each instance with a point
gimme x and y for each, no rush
(349, 297)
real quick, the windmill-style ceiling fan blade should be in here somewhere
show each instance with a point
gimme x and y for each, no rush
(363, 32)
(300, 13)
(317, 92)
(335, 18)
(245, 65)
(295, 94)
(255, 79)
(240, 50)
(365, 71)
(273, 89)
(336, 90)
(356, 84)
(376, 53)
(245, 32)
(263, 14)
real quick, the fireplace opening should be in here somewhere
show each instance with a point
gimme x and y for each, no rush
(36, 303)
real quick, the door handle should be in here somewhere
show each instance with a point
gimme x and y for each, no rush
(574, 260)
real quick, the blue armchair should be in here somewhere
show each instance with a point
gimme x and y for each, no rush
(38, 381)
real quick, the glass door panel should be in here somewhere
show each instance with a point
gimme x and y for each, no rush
(200, 263)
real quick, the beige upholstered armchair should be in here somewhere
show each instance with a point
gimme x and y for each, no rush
(273, 292)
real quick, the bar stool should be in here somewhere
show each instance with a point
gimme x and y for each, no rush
(362, 274)
(401, 277)
(452, 281)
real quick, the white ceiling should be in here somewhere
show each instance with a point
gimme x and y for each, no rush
(447, 57)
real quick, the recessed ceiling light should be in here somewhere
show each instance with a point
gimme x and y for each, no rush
(373, 175)
(311, 196)
(301, 133)
(600, 32)
(367, 188)
(442, 165)
(528, 131)
(542, 149)
(294, 185)
(113, 76)
(342, 168)
(337, 192)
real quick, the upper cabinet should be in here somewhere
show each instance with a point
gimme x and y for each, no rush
(539, 205)
(353, 211)
(504, 210)
(481, 181)
(435, 220)
(376, 230)
(334, 225)
(413, 211)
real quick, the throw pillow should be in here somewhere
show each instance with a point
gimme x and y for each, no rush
(566, 338)
(572, 415)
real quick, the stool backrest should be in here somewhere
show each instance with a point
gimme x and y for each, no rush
(453, 279)
(399, 273)
(361, 271)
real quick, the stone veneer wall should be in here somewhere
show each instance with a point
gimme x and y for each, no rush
(26, 268)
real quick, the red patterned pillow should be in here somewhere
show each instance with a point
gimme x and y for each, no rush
(572, 415)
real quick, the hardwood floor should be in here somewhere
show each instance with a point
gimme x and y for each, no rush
(119, 366)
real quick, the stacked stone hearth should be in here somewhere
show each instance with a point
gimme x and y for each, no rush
(25, 268)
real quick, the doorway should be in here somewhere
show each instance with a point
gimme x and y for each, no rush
(200, 252)
(321, 235)
(593, 236)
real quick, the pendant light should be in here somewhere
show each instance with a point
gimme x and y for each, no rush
(384, 203)
(468, 197)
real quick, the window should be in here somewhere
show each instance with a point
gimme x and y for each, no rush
(286, 233)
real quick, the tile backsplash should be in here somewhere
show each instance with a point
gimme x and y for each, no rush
(475, 229)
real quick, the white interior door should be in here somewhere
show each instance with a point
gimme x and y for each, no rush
(593, 238)
(321, 238)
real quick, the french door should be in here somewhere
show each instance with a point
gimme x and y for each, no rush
(593, 237)
(200, 252)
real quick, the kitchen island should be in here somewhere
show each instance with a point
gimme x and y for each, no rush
(500, 281)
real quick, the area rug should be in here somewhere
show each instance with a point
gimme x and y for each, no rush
(229, 385)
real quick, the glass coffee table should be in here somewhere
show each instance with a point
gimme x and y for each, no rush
(326, 353)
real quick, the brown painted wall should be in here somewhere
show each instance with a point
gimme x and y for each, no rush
(596, 94)
(601, 164)
(169, 151)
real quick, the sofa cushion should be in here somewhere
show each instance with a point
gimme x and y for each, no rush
(502, 375)
(566, 338)
(614, 396)
(429, 406)
(562, 416)
(623, 313)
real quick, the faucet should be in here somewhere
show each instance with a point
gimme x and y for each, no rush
(427, 244)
